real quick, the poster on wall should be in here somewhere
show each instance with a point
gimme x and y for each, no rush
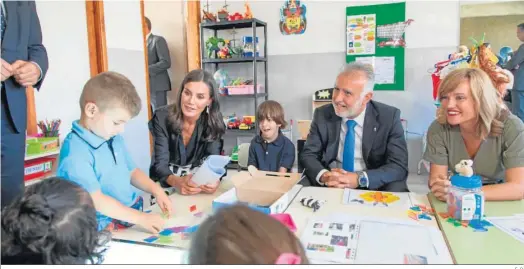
(384, 68)
(361, 34)
(293, 18)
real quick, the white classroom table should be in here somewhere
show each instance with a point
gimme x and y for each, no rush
(119, 253)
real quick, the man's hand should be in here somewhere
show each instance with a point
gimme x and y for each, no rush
(339, 178)
(26, 73)
(7, 70)
(440, 187)
(210, 188)
(184, 185)
(163, 201)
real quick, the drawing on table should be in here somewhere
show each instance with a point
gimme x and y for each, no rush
(341, 241)
(336, 226)
(415, 259)
(376, 198)
(320, 248)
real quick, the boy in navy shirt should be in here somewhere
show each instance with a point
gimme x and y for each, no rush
(270, 150)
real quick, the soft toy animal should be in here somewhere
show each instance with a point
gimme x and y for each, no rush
(464, 168)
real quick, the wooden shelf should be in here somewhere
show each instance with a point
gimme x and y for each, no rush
(42, 155)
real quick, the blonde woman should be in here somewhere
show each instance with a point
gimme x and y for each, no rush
(474, 124)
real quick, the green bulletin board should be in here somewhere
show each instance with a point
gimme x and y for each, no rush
(384, 14)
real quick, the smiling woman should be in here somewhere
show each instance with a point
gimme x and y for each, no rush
(186, 133)
(474, 124)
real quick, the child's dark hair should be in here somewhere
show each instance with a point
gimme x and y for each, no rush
(241, 235)
(271, 110)
(54, 222)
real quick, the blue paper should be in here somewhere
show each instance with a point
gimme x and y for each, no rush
(191, 229)
(166, 232)
(151, 239)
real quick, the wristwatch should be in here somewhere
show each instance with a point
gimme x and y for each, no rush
(362, 179)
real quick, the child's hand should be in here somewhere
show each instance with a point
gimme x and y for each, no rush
(163, 201)
(210, 188)
(153, 222)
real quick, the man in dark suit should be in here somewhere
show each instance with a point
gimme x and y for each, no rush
(159, 62)
(356, 142)
(24, 63)
(516, 66)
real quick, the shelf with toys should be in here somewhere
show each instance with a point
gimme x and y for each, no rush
(219, 48)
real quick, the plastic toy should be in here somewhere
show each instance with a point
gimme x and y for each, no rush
(233, 123)
(394, 33)
(213, 45)
(235, 17)
(464, 168)
(223, 14)
(312, 203)
(192, 208)
(208, 16)
(234, 154)
(248, 14)
(485, 59)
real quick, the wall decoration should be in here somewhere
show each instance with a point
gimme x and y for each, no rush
(377, 31)
(361, 35)
(293, 18)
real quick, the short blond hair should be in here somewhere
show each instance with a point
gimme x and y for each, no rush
(109, 90)
(485, 96)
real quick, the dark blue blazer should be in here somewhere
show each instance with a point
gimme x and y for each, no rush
(384, 147)
(22, 41)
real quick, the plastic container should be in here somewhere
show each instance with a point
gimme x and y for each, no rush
(244, 89)
(249, 47)
(466, 199)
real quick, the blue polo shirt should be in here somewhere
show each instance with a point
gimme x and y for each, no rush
(97, 164)
(271, 156)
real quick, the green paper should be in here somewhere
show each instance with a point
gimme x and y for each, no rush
(165, 239)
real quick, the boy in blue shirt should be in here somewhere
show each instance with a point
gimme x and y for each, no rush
(270, 150)
(94, 155)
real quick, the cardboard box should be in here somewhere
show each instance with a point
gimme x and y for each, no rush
(303, 128)
(268, 192)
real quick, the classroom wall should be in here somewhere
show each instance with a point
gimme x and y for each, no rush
(167, 20)
(125, 53)
(300, 65)
(65, 38)
(500, 30)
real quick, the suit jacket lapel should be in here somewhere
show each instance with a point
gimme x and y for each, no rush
(333, 125)
(11, 15)
(149, 40)
(370, 130)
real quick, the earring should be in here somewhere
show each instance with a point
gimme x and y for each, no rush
(207, 109)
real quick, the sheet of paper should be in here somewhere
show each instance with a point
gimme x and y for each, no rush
(361, 34)
(363, 240)
(119, 253)
(512, 225)
(211, 170)
(384, 68)
(377, 198)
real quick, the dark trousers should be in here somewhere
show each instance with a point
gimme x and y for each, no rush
(13, 154)
(158, 99)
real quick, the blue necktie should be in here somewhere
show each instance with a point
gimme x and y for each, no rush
(348, 158)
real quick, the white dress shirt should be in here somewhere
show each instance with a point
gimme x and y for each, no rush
(360, 165)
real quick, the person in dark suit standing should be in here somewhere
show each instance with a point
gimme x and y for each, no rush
(356, 142)
(516, 66)
(24, 63)
(159, 62)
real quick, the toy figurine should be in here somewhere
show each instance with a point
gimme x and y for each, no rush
(312, 203)
(464, 168)
(248, 15)
(235, 17)
(212, 45)
(208, 16)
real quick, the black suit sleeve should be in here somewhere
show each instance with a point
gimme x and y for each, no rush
(311, 155)
(160, 167)
(396, 165)
(36, 50)
(164, 60)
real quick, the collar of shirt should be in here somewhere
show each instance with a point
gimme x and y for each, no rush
(359, 119)
(278, 142)
(147, 36)
(92, 139)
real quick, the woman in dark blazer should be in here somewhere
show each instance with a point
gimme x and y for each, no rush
(186, 133)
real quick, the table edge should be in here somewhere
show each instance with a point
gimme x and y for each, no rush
(442, 230)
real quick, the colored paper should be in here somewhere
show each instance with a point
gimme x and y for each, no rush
(198, 215)
(177, 229)
(151, 239)
(191, 229)
(166, 232)
(165, 240)
(361, 34)
(376, 198)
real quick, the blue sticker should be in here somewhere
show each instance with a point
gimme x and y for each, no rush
(166, 232)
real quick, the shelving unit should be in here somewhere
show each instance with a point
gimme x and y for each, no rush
(262, 58)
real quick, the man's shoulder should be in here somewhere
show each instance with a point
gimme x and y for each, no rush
(384, 108)
(324, 110)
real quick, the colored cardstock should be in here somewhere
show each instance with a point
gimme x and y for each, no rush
(151, 239)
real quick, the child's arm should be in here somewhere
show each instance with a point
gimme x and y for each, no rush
(288, 157)
(141, 181)
(114, 209)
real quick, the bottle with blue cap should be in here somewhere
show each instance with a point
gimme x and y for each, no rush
(466, 199)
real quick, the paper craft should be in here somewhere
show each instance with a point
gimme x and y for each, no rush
(477, 226)
(376, 198)
(512, 225)
(191, 229)
(421, 212)
(211, 170)
(361, 34)
(364, 240)
(177, 229)
(151, 239)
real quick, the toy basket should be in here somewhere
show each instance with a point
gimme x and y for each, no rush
(393, 32)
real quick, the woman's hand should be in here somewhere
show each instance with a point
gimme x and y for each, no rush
(184, 185)
(439, 186)
(210, 188)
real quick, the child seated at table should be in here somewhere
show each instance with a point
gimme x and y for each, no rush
(241, 235)
(94, 155)
(270, 150)
(54, 222)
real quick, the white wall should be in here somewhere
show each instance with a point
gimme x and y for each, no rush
(65, 38)
(125, 53)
